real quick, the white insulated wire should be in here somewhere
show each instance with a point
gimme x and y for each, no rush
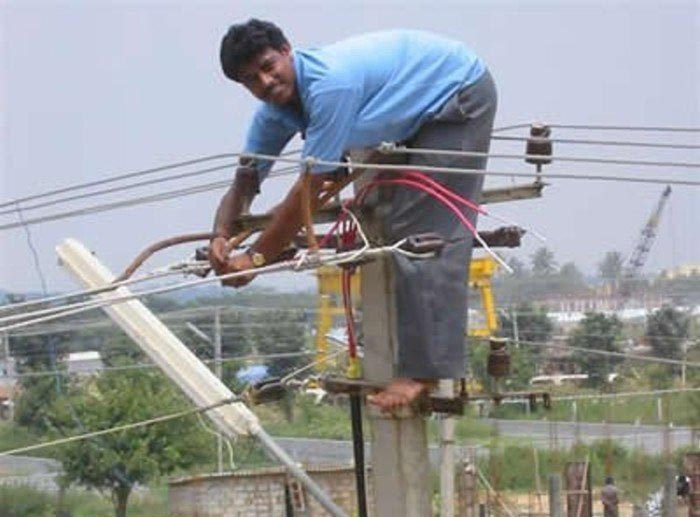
(70, 309)
(86, 292)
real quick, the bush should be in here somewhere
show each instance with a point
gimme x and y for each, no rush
(25, 502)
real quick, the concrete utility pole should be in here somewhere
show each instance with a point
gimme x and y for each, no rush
(180, 364)
(555, 495)
(400, 467)
(668, 508)
(218, 372)
(447, 455)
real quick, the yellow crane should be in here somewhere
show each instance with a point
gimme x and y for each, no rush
(481, 271)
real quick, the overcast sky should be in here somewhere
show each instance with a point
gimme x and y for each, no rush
(88, 91)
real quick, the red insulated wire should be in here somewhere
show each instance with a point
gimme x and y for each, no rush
(429, 190)
(349, 321)
(347, 238)
(446, 191)
(348, 231)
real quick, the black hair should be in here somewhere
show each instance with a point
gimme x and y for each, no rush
(244, 41)
(609, 480)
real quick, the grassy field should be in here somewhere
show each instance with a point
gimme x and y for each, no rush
(682, 409)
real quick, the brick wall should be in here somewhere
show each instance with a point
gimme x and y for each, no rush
(260, 492)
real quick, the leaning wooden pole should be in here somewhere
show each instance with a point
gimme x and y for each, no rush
(177, 361)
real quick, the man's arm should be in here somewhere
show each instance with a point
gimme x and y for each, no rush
(285, 224)
(235, 202)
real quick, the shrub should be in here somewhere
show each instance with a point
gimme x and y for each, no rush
(25, 502)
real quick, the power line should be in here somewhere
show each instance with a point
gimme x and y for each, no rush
(601, 127)
(86, 292)
(136, 174)
(122, 188)
(79, 325)
(147, 366)
(386, 167)
(163, 196)
(392, 149)
(112, 179)
(32, 249)
(300, 264)
(667, 129)
(627, 394)
(116, 429)
(595, 351)
(614, 143)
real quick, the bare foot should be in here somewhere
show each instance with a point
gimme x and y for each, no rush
(400, 392)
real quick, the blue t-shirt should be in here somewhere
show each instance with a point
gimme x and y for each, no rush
(362, 91)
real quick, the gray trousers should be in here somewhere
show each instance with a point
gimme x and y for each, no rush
(431, 295)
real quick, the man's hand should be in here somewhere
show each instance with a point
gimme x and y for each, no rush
(222, 264)
(239, 262)
(218, 254)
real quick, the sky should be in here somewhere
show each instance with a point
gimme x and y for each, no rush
(92, 89)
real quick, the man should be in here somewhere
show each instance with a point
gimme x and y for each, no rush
(609, 498)
(402, 86)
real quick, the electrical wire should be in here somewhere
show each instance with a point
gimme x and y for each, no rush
(148, 366)
(32, 249)
(393, 149)
(388, 167)
(627, 394)
(122, 188)
(595, 351)
(120, 428)
(668, 129)
(112, 179)
(87, 292)
(130, 175)
(581, 141)
(290, 265)
(162, 196)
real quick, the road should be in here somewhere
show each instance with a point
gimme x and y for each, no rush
(539, 433)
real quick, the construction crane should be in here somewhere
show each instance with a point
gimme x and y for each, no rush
(633, 265)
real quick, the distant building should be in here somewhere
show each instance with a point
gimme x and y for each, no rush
(84, 363)
(682, 271)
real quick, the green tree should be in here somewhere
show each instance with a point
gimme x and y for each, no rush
(610, 268)
(570, 280)
(34, 354)
(114, 463)
(518, 266)
(543, 263)
(666, 330)
(597, 332)
(531, 322)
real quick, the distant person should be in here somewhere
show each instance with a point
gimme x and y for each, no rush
(682, 487)
(608, 496)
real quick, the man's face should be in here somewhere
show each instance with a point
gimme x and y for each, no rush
(270, 76)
